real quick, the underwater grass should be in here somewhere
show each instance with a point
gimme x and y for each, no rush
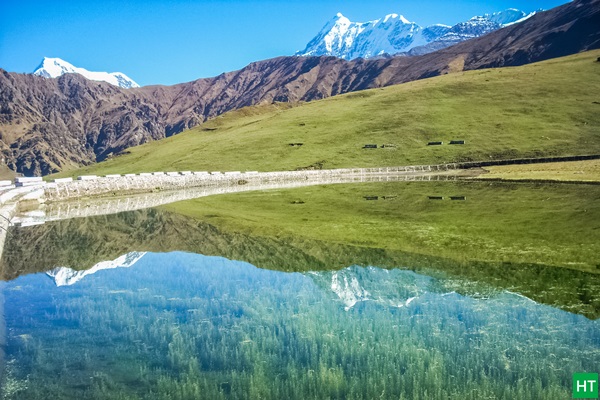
(182, 327)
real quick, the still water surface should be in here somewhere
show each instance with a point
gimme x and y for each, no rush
(184, 326)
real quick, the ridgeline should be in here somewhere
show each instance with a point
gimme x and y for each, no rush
(537, 110)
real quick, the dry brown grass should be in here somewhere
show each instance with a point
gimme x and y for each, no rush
(582, 171)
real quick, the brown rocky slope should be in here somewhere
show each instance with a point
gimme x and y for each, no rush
(50, 124)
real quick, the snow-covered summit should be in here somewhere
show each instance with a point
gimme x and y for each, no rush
(345, 39)
(55, 67)
(395, 34)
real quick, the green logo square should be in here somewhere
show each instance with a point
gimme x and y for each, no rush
(585, 386)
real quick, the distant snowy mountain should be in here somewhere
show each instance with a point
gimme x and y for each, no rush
(64, 276)
(55, 67)
(348, 40)
(509, 16)
(394, 34)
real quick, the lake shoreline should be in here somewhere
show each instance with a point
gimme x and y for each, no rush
(582, 171)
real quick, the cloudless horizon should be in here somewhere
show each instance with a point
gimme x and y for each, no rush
(169, 42)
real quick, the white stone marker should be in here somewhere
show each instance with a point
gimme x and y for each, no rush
(87, 177)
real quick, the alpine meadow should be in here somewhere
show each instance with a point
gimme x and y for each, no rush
(543, 109)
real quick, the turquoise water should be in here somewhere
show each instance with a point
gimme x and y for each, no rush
(186, 326)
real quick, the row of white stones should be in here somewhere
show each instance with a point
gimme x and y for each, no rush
(35, 181)
(38, 181)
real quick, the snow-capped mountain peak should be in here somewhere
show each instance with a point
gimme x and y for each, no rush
(395, 34)
(345, 39)
(55, 67)
(402, 19)
(393, 17)
(387, 17)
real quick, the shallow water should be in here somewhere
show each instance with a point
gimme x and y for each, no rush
(182, 325)
(355, 291)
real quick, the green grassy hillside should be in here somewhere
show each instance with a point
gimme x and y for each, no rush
(547, 108)
(550, 224)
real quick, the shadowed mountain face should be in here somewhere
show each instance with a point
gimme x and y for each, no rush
(49, 124)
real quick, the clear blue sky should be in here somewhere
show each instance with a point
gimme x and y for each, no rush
(168, 42)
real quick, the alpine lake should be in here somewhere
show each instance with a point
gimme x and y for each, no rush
(391, 290)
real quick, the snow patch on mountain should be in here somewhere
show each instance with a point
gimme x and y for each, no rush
(509, 16)
(64, 276)
(394, 34)
(55, 67)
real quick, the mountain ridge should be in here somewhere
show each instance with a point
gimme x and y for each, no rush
(47, 125)
(394, 34)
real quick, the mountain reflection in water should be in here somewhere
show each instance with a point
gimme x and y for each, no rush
(181, 325)
(64, 276)
(84, 243)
